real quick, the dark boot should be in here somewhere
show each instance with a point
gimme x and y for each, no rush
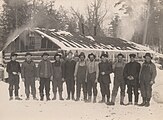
(55, 96)
(122, 100)
(60, 96)
(147, 104)
(77, 99)
(47, 98)
(73, 97)
(85, 98)
(112, 101)
(17, 98)
(103, 100)
(42, 98)
(11, 98)
(144, 102)
(94, 99)
(89, 99)
(68, 98)
(108, 99)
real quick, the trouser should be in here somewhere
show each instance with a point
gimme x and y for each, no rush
(44, 83)
(80, 85)
(30, 83)
(91, 84)
(57, 84)
(132, 88)
(116, 86)
(13, 85)
(146, 89)
(70, 87)
(105, 89)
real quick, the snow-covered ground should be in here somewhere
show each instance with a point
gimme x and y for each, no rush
(71, 110)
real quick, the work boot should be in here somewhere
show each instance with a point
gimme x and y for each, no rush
(68, 98)
(147, 104)
(129, 103)
(54, 97)
(35, 98)
(60, 96)
(89, 99)
(42, 98)
(73, 97)
(94, 99)
(47, 98)
(103, 100)
(144, 102)
(27, 98)
(110, 103)
(11, 98)
(77, 99)
(108, 99)
(121, 100)
(136, 103)
(17, 98)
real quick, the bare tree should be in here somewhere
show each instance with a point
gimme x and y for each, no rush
(90, 24)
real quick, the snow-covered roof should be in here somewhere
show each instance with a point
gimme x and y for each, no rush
(67, 41)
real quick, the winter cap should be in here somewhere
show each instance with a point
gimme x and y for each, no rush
(28, 54)
(45, 53)
(132, 55)
(104, 55)
(14, 54)
(120, 54)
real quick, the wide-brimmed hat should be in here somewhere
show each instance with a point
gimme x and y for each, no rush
(120, 54)
(148, 54)
(132, 55)
(45, 53)
(28, 54)
(104, 55)
(14, 54)
(82, 54)
(92, 55)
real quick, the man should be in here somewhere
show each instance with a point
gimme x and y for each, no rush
(147, 79)
(80, 77)
(131, 75)
(105, 69)
(92, 77)
(69, 69)
(58, 79)
(118, 68)
(28, 73)
(45, 74)
(13, 69)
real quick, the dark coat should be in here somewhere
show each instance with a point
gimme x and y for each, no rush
(69, 69)
(107, 68)
(57, 70)
(132, 69)
(41, 69)
(28, 69)
(13, 66)
(148, 74)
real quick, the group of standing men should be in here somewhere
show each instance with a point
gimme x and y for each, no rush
(85, 74)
